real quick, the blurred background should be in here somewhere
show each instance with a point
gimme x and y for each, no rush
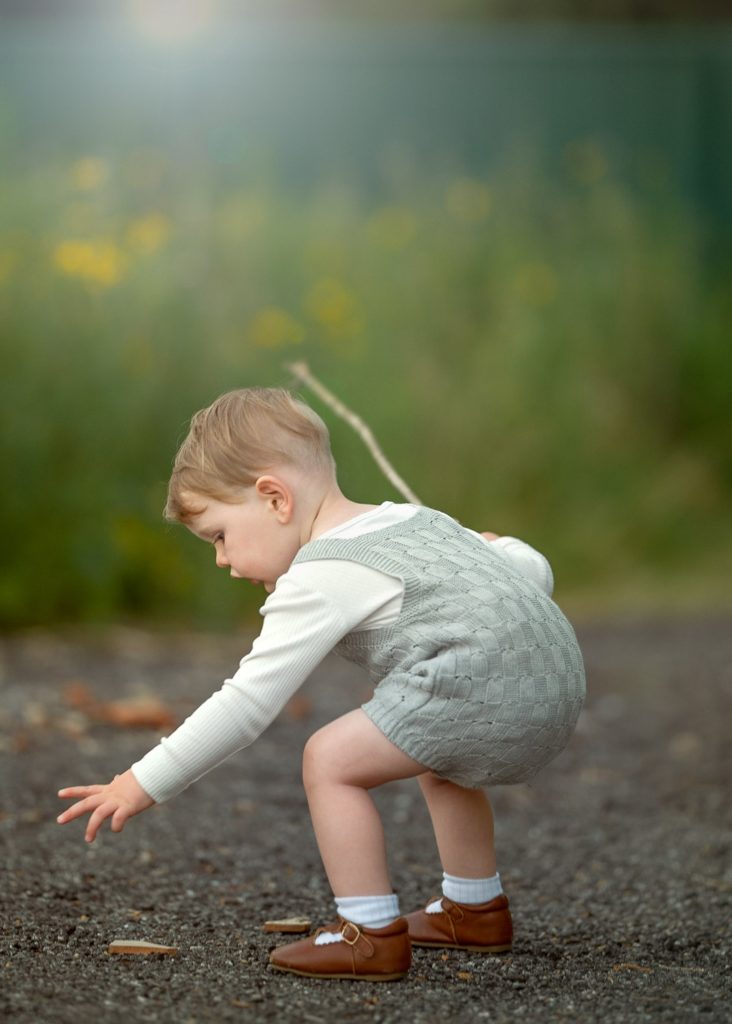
(500, 232)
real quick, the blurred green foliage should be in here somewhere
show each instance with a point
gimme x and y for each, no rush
(549, 359)
(489, 10)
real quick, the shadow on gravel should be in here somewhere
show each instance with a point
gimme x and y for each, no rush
(616, 859)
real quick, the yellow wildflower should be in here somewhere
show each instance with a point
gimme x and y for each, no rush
(148, 234)
(468, 200)
(391, 227)
(334, 307)
(98, 262)
(89, 173)
(273, 328)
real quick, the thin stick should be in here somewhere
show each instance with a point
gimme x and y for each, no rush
(302, 372)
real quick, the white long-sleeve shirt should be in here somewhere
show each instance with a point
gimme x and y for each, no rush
(313, 606)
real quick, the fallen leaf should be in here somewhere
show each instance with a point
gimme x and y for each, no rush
(135, 713)
(137, 946)
(288, 925)
(464, 975)
(145, 712)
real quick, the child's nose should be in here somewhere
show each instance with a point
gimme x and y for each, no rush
(221, 560)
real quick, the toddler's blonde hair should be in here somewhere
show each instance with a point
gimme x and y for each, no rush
(236, 438)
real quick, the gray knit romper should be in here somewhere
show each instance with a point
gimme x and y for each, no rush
(480, 679)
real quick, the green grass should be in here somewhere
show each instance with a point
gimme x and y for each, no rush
(541, 357)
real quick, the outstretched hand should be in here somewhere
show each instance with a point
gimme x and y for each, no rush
(119, 800)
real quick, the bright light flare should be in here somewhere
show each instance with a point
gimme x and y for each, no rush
(173, 22)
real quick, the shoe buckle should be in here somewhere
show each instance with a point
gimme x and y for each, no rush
(344, 928)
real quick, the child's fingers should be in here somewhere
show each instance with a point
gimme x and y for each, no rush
(119, 818)
(100, 814)
(77, 809)
(80, 791)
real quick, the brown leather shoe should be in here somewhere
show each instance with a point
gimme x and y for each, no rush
(364, 954)
(479, 927)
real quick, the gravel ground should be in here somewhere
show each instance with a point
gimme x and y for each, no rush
(616, 859)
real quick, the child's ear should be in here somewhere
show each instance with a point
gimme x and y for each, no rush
(277, 495)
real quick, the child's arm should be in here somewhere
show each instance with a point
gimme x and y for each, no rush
(122, 798)
(301, 627)
(523, 557)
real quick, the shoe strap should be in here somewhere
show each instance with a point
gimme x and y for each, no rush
(453, 911)
(353, 935)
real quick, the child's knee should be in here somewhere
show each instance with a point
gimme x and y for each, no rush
(315, 756)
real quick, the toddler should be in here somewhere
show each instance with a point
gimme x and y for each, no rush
(477, 673)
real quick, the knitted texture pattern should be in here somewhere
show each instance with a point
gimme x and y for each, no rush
(481, 678)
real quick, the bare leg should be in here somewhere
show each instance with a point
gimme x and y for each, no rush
(341, 762)
(463, 823)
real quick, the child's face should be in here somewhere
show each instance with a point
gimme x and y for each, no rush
(252, 538)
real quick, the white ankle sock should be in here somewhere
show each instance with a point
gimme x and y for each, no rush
(370, 911)
(471, 890)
